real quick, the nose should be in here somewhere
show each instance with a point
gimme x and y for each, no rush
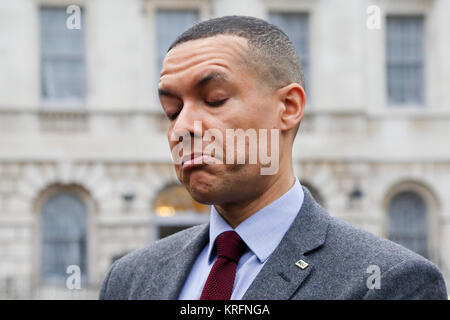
(188, 122)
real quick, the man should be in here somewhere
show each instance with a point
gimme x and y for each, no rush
(267, 237)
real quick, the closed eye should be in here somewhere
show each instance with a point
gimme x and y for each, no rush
(216, 103)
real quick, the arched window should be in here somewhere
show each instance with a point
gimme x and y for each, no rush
(408, 222)
(63, 228)
(177, 210)
(176, 199)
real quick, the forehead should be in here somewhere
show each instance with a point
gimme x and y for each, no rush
(225, 53)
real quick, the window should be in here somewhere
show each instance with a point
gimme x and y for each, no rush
(408, 222)
(165, 231)
(169, 25)
(63, 237)
(62, 58)
(176, 199)
(405, 60)
(176, 210)
(295, 25)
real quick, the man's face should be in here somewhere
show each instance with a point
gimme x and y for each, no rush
(207, 80)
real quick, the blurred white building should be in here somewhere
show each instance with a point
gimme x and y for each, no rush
(85, 167)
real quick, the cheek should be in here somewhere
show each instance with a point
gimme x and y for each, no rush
(268, 114)
(259, 114)
(172, 144)
(170, 138)
(242, 114)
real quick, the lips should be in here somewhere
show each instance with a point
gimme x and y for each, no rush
(196, 159)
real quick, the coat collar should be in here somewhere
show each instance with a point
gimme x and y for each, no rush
(280, 277)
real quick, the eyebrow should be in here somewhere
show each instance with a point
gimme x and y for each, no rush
(210, 77)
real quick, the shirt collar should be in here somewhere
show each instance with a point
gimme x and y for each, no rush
(262, 231)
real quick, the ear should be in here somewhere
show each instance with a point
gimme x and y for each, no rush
(292, 99)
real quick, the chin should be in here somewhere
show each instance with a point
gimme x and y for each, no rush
(201, 185)
(204, 198)
(202, 193)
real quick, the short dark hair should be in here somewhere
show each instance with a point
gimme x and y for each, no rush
(271, 51)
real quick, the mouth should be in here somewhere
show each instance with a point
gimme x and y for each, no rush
(196, 160)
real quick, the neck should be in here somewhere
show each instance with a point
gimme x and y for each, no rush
(236, 213)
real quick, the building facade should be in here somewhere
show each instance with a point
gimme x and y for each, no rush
(85, 167)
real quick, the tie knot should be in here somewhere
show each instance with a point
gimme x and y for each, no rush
(230, 245)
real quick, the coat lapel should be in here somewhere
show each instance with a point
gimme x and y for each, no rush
(281, 278)
(173, 270)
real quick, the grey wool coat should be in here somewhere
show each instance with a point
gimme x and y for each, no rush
(343, 262)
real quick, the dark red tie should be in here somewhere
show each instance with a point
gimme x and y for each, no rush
(220, 282)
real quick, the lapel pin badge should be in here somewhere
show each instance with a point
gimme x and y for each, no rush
(302, 264)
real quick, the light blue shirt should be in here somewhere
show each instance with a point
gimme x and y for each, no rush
(261, 232)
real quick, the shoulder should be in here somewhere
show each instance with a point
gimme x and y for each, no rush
(140, 264)
(357, 254)
(160, 248)
(363, 244)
